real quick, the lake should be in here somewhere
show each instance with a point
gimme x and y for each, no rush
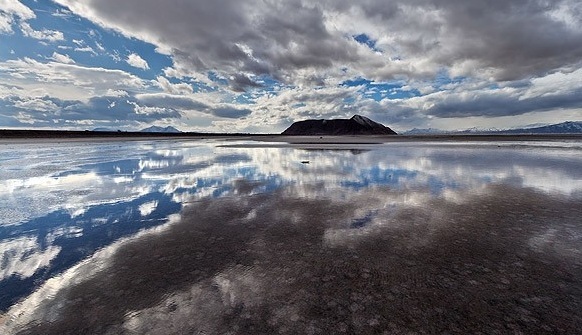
(242, 237)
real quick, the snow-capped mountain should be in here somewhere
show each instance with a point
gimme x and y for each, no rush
(569, 127)
(423, 131)
(156, 129)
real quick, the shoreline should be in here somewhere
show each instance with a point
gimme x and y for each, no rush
(12, 136)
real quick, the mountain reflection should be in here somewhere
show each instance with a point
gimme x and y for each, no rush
(195, 237)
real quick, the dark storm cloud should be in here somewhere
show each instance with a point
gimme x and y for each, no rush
(503, 39)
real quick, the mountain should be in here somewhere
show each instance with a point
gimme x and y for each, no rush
(103, 129)
(357, 125)
(423, 131)
(569, 127)
(156, 129)
(477, 131)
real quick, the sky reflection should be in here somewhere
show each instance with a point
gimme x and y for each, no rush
(203, 228)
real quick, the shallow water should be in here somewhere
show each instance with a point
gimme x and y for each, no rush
(237, 237)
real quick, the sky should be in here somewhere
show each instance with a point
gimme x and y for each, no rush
(259, 65)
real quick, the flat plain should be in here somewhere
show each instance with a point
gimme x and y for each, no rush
(291, 235)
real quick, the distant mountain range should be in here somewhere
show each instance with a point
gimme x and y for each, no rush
(569, 127)
(357, 125)
(152, 129)
(103, 129)
(156, 129)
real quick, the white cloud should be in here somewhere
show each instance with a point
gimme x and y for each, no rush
(86, 49)
(303, 42)
(65, 59)
(100, 46)
(136, 61)
(309, 49)
(148, 208)
(37, 104)
(23, 257)
(44, 34)
(64, 81)
(9, 11)
(116, 93)
(168, 87)
(5, 23)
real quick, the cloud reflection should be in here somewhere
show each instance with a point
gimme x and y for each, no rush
(24, 256)
(259, 226)
(281, 262)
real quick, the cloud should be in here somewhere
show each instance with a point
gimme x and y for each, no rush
(555, 91)
(292, 40)
(64, 81)
(116, 93)
(65, 59)
(241, 82)
(37, 104)
(301, 262)
(172, 101)
(45, 111)
(25, 256)
(44, 34)
(198, 103)
(86, 49)
(230, 111)
(10, 11)
(15, 12)
(289, 60)
(168, 87)
(136, 61)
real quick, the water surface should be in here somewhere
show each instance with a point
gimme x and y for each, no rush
(236, 237)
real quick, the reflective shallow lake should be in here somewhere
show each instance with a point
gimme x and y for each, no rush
(223, 237)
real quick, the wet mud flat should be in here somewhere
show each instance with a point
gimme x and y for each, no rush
(502, 260)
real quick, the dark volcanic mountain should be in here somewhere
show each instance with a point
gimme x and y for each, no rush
(357, 125)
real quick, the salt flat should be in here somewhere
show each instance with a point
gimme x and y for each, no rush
(240, 236)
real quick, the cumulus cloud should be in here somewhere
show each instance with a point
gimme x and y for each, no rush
(289, 40)
(136, 61)
(289, 60)
(58, 94)
(293, 104)
(62, 58)
(168, 87)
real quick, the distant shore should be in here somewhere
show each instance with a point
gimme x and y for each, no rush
(7, 134)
